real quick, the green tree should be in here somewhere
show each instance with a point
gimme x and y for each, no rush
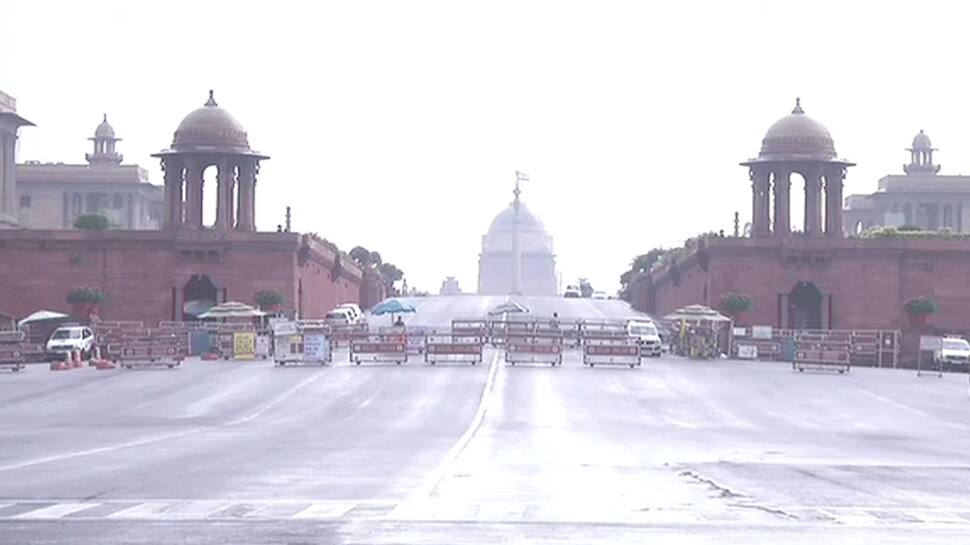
(585, 287)
(361, 256)
(91, 222)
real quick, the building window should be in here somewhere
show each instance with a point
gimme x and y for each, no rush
(25, 201)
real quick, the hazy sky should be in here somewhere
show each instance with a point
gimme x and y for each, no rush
(400, 125)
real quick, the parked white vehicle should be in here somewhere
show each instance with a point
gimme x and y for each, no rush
(71, 338)
(954, 351)
(648, 335)
(340, 316)
(354, 310)
(572, 292)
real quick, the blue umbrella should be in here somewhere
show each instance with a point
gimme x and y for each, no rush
(392, 306)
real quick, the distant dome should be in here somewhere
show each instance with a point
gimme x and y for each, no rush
(797, 136)
(921, 141)
(104, 130)
(527, 220)
(210, 128)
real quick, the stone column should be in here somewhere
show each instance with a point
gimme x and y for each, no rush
(247, 189)
(172, 218)
(760, 215)
(813, 204)
(193, 193)
(8, 189)
(834, 176)
(782, 225)
(223, 195)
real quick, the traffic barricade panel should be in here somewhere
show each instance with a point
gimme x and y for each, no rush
(373, 348)
(534, 349)
(462, 345)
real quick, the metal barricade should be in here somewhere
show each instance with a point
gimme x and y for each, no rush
(373, 348)
(11, 350)
(816, 353)
(611, 348)
(148, 348)
(461, 345)
(534, 348)
(302, 342)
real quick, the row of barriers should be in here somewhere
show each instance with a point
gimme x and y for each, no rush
(869, 348)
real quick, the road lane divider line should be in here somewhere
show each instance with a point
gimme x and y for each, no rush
(437, 474)
(165, 437)
(54, 511)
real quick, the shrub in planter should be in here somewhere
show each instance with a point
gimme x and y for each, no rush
(919, 308)
(735, 304)
(85, 301)
(268, 299)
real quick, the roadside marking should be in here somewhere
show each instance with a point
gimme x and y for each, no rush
(55, 511)
(166, 437)
(436, 475)
(327, 510)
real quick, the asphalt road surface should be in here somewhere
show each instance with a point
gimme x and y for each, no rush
(675, 451)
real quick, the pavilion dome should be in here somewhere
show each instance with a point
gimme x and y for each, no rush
(797, 137)
(104, 130)
(921, 141)
(210, 129)
(527, 220)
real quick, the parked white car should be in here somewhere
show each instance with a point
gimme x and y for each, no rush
(648, 335)
(572, 292)
(354, 310)
(954, 352)
(339, 316)
(71, 338)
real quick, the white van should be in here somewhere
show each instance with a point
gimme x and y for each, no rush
(71, 338)
(649, 337)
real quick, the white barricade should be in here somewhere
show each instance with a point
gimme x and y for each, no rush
(375, 348)
(455, 346)
(534, 348)
(11, 350)
(607, 349)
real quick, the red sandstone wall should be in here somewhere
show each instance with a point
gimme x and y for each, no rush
(690, 291)
(138, 271)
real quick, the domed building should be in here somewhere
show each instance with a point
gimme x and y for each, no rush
(538, 262)
(798, 144)
(920, 197)
(210, 136)
(820, 277)
(174, 272)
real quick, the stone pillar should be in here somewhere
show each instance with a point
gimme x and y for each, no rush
(782, 224)
(760, 214)
(834, 176)
(247, 189)
(813, 203)
(9, 203)
(172, 218)
(223, 195)
(193, 193)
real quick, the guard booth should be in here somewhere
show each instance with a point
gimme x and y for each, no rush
(534, 348)
(822, 352)
(374, 348)
(301, 342)
(11, 350)
(458, 345)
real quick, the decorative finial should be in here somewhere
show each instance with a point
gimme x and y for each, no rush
(212, 100)
(798, 107)
(105, 119)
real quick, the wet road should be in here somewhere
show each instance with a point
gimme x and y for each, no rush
(697, 452)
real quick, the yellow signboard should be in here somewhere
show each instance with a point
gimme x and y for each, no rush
(244, 345)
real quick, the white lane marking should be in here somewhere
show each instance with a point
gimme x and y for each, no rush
(165, 437)
(54, 511)
(894, 403)
(436, 475)
(324, 510)
(144, 511)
